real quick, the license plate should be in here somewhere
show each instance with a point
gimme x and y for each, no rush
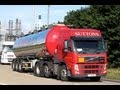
(91, 75)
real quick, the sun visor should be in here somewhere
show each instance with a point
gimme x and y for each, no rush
(86, 38)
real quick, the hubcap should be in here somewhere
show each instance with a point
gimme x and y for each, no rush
(37, 70)
(63, 73)
(46, 69)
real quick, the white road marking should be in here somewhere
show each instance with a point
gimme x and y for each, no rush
(3, 84)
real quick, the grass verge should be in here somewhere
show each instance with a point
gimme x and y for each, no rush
(113, 74)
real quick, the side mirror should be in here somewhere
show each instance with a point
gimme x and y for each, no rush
(66, 44)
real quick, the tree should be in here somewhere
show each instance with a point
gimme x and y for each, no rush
(105, 18)
(60, 22)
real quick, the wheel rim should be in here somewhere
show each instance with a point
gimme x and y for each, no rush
(63, 73)
(37, 70)
(46, 69)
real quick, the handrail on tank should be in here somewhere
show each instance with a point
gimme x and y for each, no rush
(42, 29)
(35, 31)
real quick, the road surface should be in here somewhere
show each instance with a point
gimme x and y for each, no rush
(9, 77)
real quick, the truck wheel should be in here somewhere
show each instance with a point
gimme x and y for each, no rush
(37, 70)
(20, 69)
(13, 65)
(16, 66)
(58, 73)
(63, 73)
(47, 72)
(95, 78)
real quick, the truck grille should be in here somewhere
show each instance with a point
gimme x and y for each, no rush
(91, 66)
(91, 71)
(95, 59)
(10, 59)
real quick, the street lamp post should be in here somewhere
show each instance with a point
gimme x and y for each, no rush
(48, 15)
(33, 18)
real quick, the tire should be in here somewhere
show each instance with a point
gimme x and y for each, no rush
(63, 73)
(58, 73)
(20, 69)
(37, 70)
(17, 66)
(13, 66)
(95, 79)
(47, 72)
(0, 60)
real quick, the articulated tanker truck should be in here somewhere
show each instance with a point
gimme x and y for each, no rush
(62, 52)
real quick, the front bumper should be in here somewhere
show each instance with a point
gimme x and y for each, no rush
(84, 76)
(89, 70)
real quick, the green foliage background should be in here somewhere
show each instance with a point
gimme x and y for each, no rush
(105, 18)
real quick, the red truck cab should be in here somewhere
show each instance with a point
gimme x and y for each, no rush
(83, 51)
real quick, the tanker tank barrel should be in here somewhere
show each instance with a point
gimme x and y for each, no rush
(33, 42)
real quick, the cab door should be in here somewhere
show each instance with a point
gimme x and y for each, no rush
(68, 56)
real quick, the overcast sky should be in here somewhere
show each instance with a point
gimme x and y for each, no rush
(28, 14)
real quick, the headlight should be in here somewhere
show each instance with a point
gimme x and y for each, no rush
(81, 60)
(105, 66)
(76, 67)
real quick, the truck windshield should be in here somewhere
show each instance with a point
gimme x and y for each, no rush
(89, 46)
(7, 49)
